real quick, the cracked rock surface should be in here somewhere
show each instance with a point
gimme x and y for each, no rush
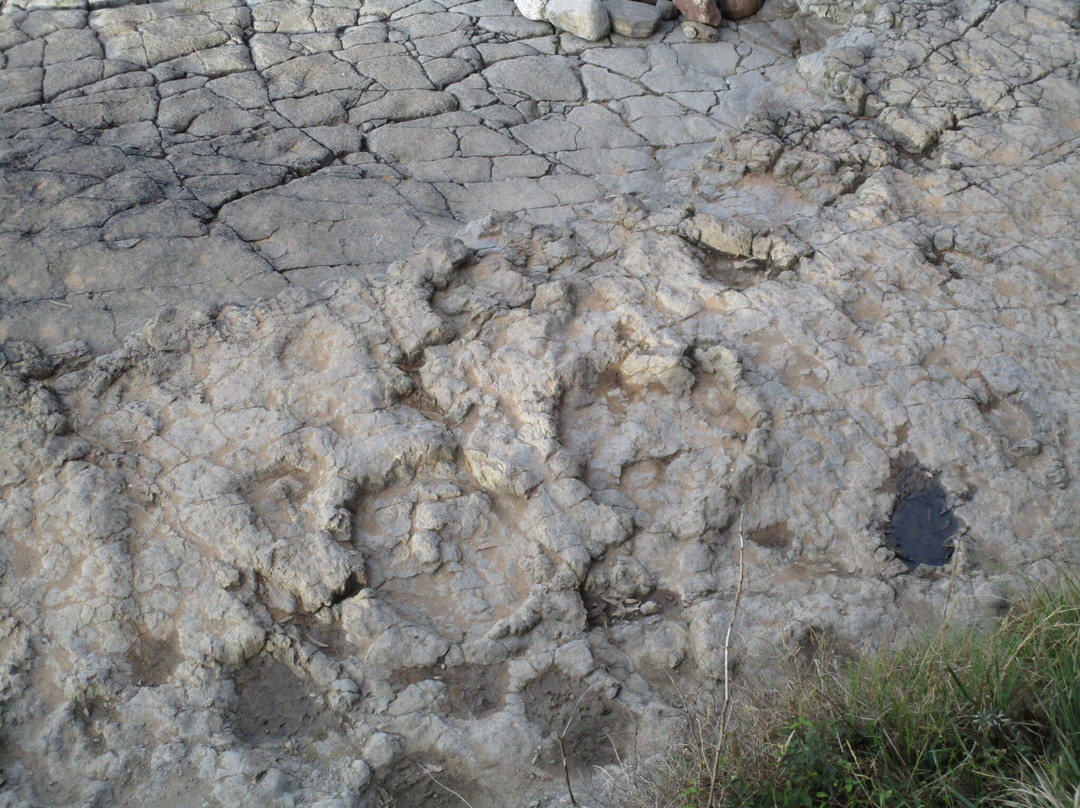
(387, 386)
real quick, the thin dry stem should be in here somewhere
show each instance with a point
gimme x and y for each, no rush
(562, 746)
(955, 538)
(566, 769)
(725, 709)
(443, 785)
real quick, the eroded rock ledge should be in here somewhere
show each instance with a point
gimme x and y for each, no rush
(300, 547)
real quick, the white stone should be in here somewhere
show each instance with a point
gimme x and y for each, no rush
(532, 9)
(587, 19)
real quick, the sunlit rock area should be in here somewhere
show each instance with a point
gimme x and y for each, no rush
(394, 393)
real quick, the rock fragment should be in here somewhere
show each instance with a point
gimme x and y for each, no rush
(706, 12)
(739, 9)
(587, 19)
(633, 18)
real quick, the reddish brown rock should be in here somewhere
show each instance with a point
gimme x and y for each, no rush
(738, 9)
(705, 11)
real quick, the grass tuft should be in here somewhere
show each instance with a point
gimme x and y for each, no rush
(954, 720)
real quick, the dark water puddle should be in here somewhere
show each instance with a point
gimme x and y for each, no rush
(922, 527)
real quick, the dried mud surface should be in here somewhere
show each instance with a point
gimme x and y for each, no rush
(386, 386)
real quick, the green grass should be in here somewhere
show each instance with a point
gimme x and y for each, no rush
(953, 720)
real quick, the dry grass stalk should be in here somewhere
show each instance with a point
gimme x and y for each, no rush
(725, 708)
